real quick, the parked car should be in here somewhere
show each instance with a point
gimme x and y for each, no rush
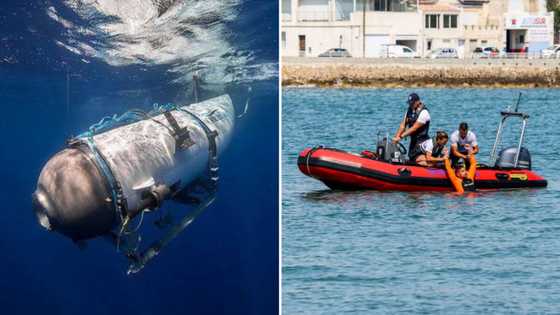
(444, 53)
(397, 51)
(336, 52)
(491, 51)
(551, 52)
(486, 52)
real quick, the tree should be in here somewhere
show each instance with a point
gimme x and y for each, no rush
(554, 6)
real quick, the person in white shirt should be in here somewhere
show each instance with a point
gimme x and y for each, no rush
(463, 143)
(415, 123)
(431, 151)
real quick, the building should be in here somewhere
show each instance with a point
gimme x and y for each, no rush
(442, 27)
(482, 24)
(310, 27)
(462, 25)
(528, 25)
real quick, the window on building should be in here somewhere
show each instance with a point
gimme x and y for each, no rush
(313, 10)
(286, 6)
(286, 10)
(380, 5)
(343, 9)
(429, 45)
(449, 21)
(283, 40)
(386, 5)
(432, 20)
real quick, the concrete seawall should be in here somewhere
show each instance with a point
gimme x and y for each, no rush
(358, 72)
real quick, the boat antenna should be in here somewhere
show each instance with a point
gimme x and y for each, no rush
(518, 101)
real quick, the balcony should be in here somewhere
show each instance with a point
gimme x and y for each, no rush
(313, 16)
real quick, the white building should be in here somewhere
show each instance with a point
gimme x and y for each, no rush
(528, 25)
(442, 27)
(311, 27)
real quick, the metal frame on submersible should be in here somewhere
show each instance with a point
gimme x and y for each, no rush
(505, 115)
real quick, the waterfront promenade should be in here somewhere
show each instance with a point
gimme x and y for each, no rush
(400, 72)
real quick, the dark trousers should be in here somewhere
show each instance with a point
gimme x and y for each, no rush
(455, 160)
(412, 154)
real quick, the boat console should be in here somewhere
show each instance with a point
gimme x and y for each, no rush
(391, 152)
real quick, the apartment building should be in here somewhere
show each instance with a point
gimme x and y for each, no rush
(310, 27)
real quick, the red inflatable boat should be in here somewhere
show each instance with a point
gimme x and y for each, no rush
(386, 169)
(343, 170)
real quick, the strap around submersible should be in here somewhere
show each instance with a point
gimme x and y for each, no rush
(182, 137)
(115, 188)
(212, 147)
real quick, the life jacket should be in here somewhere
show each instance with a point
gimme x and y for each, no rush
(438, 150)
(422, 133)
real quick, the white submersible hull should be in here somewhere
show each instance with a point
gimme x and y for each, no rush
(103, 179)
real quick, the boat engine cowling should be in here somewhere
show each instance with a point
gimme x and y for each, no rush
(506, 158)
(390, 152)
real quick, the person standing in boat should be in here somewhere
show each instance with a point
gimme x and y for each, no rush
(432, 151)
(416, 124)
(463, 143)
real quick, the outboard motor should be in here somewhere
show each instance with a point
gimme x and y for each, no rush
(506, 158)
(512, 157)
(391, 152)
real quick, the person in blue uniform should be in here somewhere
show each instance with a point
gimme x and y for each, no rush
(415, 124)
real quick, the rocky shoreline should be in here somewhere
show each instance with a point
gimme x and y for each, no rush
(391, 75)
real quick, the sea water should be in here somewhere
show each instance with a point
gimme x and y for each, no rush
(369, 252)
(64, 65)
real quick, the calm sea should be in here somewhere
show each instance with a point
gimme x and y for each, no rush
(66, 64)
(418, 253)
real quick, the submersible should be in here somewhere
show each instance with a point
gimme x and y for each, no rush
(126, 166)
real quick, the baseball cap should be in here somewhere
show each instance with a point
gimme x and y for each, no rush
(412, 98)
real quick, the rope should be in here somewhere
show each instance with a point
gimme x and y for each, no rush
(123, 229)
(308, 157)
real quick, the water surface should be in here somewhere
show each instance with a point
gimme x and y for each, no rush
(393, 252)
(66, 64)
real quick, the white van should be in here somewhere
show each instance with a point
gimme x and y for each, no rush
(396, 51)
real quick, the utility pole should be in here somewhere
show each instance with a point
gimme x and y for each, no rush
(364, 29)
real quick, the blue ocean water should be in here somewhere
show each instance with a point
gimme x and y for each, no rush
(368, 252)
(52, 87)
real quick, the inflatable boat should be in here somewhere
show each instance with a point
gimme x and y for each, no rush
(386, 169)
